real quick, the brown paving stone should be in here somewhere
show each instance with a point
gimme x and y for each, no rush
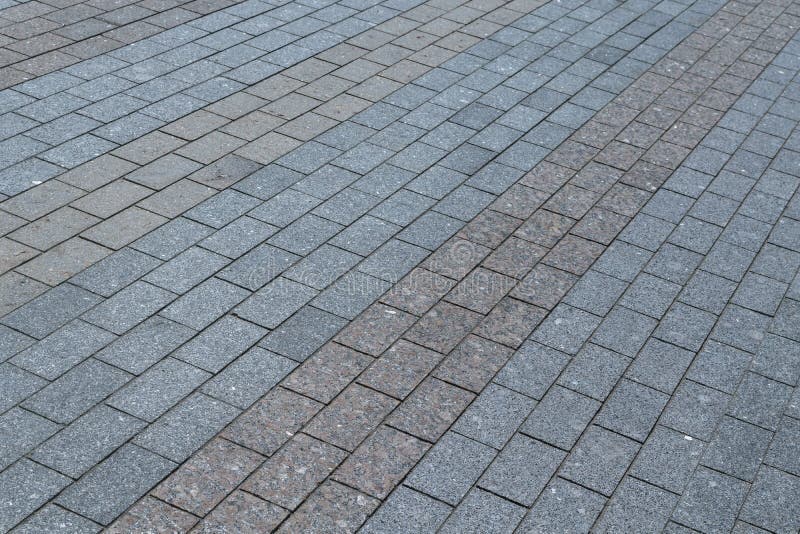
(600, 225)
(572, 155)
(489, 228)
(473, 363)
(596, 134)
(510, 322)
(331, 508)
(328, 372)
(271, 421)
(646, 176)
(430, 410)
(381, 462)
(545, 228)
(418, 291)
(295, 471)
(456, 258)
(547, 177)
(480, 290)
(152, 515)
(544, 286)
(619, 155)
(596, 177)
(400, 369)
(519, 201)
(666, 154)
(375, 329)
(443, 327)
(351, 416)
(208, 476)
(574, 254)
(515, 257)
(572, 201)
(242, 512)
(624, 200)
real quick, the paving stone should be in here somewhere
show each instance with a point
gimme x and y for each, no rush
(451, 467)
(560, 417)
(599, 460)
(76, 449)
(563, 505)
(51, 517)
(186, 270)
(494, 416)
(115, 484)
(332, 504)
(668, 459)
(61, 350)
(114, 272)
(22, 431)
(482, 511)
(250, 376)
(129, 307)
(205, 303)
(695, 410)
(709, 491)
(769, 501)
(182, 430)
(759, 400)
(637, 505)
(26, 487)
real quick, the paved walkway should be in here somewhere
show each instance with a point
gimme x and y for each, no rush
(399, 266)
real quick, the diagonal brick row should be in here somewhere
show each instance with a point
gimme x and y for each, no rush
(337, 494)
(399, 372)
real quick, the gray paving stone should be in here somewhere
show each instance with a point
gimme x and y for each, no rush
(51, 310)
(129, 307)
(566, 328)
(275, 302)
(51, 518)
(738, 448)
(21, 431)
(711, 501)
(623, 261)
(114, 272)
(393, 260)
(451, 467)
(741, 328)
(220, 343)
(522, 470)
(186, 270)
(685, 326)
(145, 344)
(595, 292)
(563, 505)
(205, 303)
(674, 264)
(76, 391)
(305, 234)
(87, 441)
(532, 369)
(695, 410)
(594, 371)
(624, 331)
(172, 238)
(158, 389)
(759, 293)
(785, 323)
(769, 503)
(320, 268)
(430, 230)
(258, 267)
(481, 511)
(26, 486)
(351, 294)
(632, 410)
(637, 506)
(494, 416)
(249, 377)
(668, 459)
(182, 430)
(707, 292)
(17, 385)
(115, 484)
(303, 333)
(759, 400)
(63, 349)
(407, 511)
(599, 460)
(778, 358)
(560, 418)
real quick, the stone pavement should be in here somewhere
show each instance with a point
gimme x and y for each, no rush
(399, 266)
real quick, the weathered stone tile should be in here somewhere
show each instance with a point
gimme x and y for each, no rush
(295, 471)
(241, 511)
(270, 422)
(210, 475)
(347, 420)
(331, 507)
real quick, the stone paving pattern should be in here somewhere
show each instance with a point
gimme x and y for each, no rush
(400, 266)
